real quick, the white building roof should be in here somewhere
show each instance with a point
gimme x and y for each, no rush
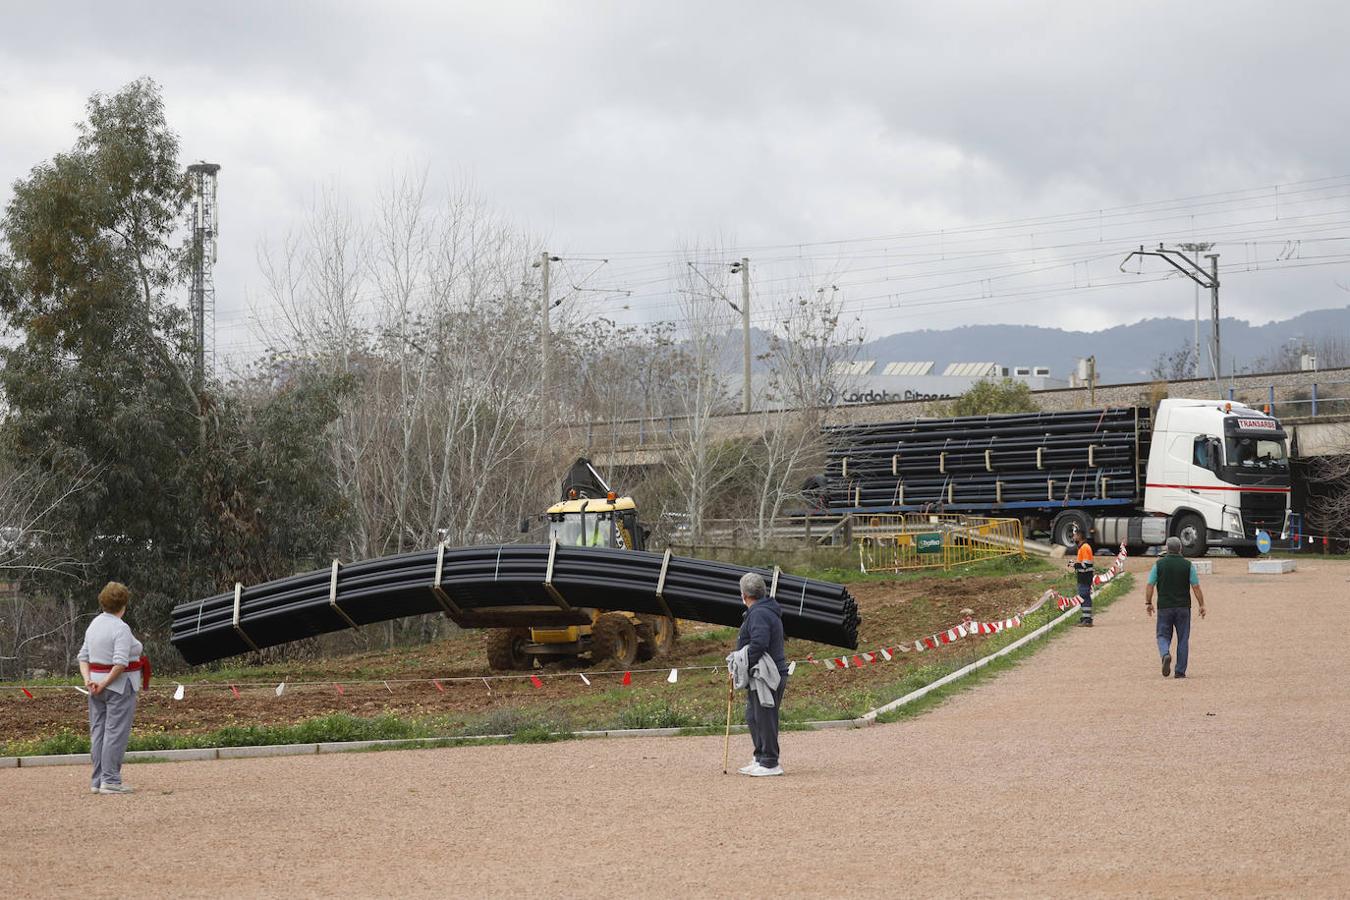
(973, 369)
(859, 367)
(908, 368)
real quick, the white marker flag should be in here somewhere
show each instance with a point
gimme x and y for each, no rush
(281, 689)
(674, 676)
(792, 667)
(583, 678)
(178, 692)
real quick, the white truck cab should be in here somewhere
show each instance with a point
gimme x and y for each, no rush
(1220, 471)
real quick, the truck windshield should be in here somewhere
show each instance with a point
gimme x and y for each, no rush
(1256, 453)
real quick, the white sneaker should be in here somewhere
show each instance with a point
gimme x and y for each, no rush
(93, 789)
(116, 789)
(762, 772)
(746, 770)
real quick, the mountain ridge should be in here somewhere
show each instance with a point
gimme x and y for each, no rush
(1124, 352)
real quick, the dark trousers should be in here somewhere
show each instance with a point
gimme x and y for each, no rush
(1178, 620)
(763, 724)
(1085, 594)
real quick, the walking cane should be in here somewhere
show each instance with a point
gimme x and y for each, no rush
(726, 742)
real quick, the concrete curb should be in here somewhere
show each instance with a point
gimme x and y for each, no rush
(62, 759)
(170, 755)
(270, 750)
(266, 750)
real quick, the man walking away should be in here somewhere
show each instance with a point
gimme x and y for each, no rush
(1083, 567)
(762, 635)
(1175, 580)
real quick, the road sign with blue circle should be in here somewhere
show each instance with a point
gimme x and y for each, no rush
(1263, 542)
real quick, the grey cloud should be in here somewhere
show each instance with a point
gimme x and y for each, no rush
(620, 126)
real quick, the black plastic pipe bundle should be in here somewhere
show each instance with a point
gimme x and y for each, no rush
(496, 586)
(986, 462)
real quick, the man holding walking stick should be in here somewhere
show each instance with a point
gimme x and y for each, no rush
(760, 641)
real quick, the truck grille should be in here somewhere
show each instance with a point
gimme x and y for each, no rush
(1264, 511)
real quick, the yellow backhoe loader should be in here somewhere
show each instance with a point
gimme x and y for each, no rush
(590, 514)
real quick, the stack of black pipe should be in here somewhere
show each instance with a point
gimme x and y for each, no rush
(496, 578)
(982, 462)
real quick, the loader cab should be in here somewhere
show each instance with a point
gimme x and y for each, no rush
(604, 522)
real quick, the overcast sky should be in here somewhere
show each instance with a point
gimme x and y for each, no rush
(859, 140)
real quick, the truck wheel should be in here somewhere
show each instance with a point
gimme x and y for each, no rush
(656, 636)
(614, 637)
(1066, 523)
(506, 649)
(1194, 536)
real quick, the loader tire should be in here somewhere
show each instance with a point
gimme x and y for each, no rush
(656, 636)
(506, 649)
(614, 637)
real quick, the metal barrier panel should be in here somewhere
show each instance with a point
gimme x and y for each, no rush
(910, 542)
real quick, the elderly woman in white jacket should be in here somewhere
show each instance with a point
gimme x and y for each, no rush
(111, 651)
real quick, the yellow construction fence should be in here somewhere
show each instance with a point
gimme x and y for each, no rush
(900, 543)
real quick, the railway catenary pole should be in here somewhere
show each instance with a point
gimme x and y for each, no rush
(1196, 248)
(1206, 279)
(545, 334)
(743, 267)
(1214, 312)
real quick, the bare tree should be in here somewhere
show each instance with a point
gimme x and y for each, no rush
(1330, 351)
(313, 281)
(1329, 505)
(36, 626)
(810, 343)
(700, 462)
(1179, 364)
(432, 310)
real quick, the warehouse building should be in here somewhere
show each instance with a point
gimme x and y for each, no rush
(872, 381)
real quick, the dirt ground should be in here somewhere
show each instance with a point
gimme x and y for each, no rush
(377, 682)
(1080, 772)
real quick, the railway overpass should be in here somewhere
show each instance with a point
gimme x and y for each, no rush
(1315, 407)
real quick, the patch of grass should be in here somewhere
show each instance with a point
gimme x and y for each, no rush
(988, 568)
(64, 741)
(336, 727)
(658, 713)
(715, 634)
(539, 734)
(514, 722)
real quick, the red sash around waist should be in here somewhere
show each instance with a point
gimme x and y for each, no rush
(141, 665)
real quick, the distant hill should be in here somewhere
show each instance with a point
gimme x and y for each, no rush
(1124, 353)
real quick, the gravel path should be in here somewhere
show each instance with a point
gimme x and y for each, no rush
(1081, 772)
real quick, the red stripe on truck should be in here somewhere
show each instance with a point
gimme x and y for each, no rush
(1247, 490)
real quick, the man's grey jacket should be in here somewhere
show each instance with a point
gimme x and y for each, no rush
(763, 679)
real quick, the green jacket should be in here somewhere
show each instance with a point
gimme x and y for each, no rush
(1174, 579)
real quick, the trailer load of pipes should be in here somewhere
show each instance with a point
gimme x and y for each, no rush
(513, 585)
(1019, 460)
